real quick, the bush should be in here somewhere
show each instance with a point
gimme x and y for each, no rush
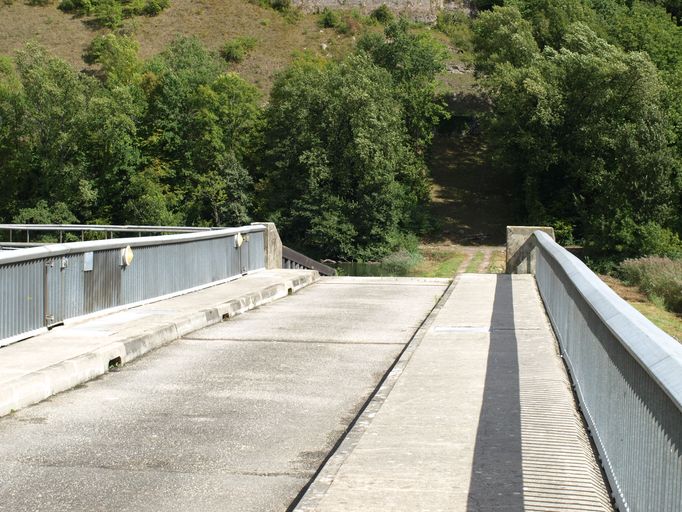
(109, 13)
(280, 5)
(457, 26)
(236, 49)
(154, 7)
(657, 277)
(383, 14)
(401, 262)
(343, 23)
(329, 18)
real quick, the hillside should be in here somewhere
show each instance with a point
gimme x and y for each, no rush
(278, 37)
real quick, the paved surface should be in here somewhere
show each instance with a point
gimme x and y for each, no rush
(39, 367)
(479, 417)
(236, 417)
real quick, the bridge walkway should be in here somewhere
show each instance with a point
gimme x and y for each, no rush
(478, 416)
(237, 416)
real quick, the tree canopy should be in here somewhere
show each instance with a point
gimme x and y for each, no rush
(587, 129)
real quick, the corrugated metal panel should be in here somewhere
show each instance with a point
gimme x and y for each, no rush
(162, 266)
(21, 298)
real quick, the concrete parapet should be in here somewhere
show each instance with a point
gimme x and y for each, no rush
(520, 253)
(273, 245)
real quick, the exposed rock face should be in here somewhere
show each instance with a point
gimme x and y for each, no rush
(422, 10)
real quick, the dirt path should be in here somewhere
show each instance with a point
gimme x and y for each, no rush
(470, 252)
(472, 200)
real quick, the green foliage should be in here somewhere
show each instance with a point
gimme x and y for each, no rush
(236, 49)
(280, 5)
(586, 131)
(343, 22)
(657, 277)
(44, 213)
(643, 27)
(199, 124)
(457, 26)
(284, 7)
(551, 19)
(414, 61)
(383, 14)
(118, 56)
(162, 142)
(110, 13)
(502, 36)
(339, 175)
(400, 263)
(329, 18)
(485, 5)
(154, 7)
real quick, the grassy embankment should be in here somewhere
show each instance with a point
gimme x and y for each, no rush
(653, 310)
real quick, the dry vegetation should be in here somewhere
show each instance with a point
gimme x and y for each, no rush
(213, 21)
(656, 313)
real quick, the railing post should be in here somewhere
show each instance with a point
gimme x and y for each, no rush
(272, 245)
(521, 251)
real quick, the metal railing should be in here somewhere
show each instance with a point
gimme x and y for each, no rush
(294, 260)
(627, 374)
(43, 286)
(21, 233)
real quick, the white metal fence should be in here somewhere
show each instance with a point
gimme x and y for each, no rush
(628, 378)
(43, 286)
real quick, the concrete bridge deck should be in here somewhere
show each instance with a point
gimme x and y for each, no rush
(477, 413)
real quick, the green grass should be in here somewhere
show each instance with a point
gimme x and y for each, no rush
(653, 310)
(475, 263)
(437, 262)
(661, 318)
(497, 263)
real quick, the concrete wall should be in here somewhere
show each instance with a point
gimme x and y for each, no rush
(272, 245)
(521, 253)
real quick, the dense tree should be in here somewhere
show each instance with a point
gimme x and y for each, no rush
(586, 130)
(550, 19)
(414, 61)
(198, 127)
(341, 177)
(503, 36)
(160, 143)
(53, 164)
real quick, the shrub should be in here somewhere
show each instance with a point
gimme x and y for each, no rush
(280, 5)
(657, 277)
(343, 23)
(401, 262)
(457, 26)
(109, 13)
(154, 7)
(383, 14)
(329, 18)
(236, 49)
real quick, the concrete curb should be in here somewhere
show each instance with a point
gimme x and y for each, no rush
(37, 386)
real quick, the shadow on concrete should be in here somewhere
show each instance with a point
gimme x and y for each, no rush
(496, 475)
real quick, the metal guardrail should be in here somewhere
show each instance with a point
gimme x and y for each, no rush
(628, 378)
(295, 260)
(13, 230)
(43, 286)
